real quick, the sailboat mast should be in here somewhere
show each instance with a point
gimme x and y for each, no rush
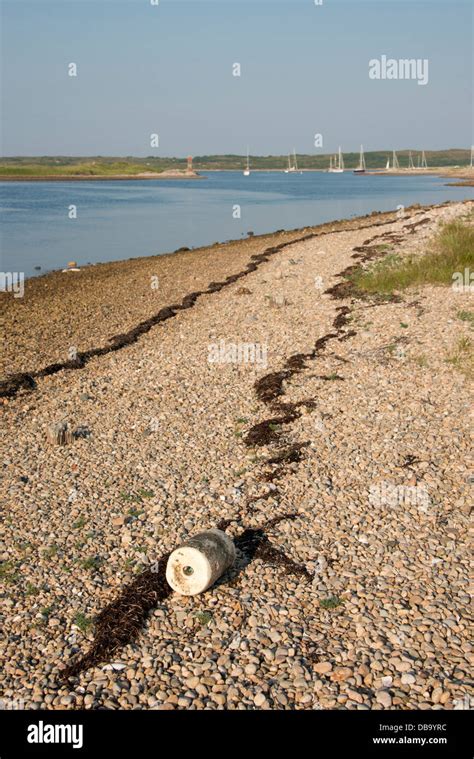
(341, 159)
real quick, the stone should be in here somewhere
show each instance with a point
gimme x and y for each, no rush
(384, 698)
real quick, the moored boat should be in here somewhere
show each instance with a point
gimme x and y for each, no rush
(361, 167)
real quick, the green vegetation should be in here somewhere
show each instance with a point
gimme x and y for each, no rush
(43, 166)
(203, 617)
(462, 357)
(374, 160)
(134, 513)
(82, 622)
(420, 361)
(93, 562)
(145, 493)
(452, 251)
(50, 552)
(130, 497)
(138, 497)
(466, 316)
(8, 571)
(331, 603)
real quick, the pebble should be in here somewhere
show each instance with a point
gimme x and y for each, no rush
(384, 698)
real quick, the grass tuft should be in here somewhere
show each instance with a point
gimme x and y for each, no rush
(82, 621)
(466, 316)
(462, 357)
(451, 251)
(331, 603)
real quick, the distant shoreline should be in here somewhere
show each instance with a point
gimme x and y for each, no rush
(95, 178)
(463, 173)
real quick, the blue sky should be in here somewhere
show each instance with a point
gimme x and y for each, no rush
(168, 70)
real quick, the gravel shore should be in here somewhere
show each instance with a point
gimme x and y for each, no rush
(365, 438)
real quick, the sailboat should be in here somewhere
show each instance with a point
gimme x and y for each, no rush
(338, 166)
(247, 169)
(411, 165)
(296, 162)
(395, 164)
(292, 167)
(387, 165)
(361, 167)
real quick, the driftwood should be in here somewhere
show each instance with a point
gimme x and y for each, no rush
(59, 433)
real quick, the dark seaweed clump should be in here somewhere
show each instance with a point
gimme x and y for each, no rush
(121, 621)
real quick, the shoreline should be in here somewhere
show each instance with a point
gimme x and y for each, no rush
(462, 172)
(109, 294)
(85, 178)
(137, 287)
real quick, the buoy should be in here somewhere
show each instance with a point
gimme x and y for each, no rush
(197, 564)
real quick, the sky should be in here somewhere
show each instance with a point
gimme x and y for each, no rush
(167, 69)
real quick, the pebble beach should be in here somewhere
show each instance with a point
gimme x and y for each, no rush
(262, 396)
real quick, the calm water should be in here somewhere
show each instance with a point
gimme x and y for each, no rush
(118, 220)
